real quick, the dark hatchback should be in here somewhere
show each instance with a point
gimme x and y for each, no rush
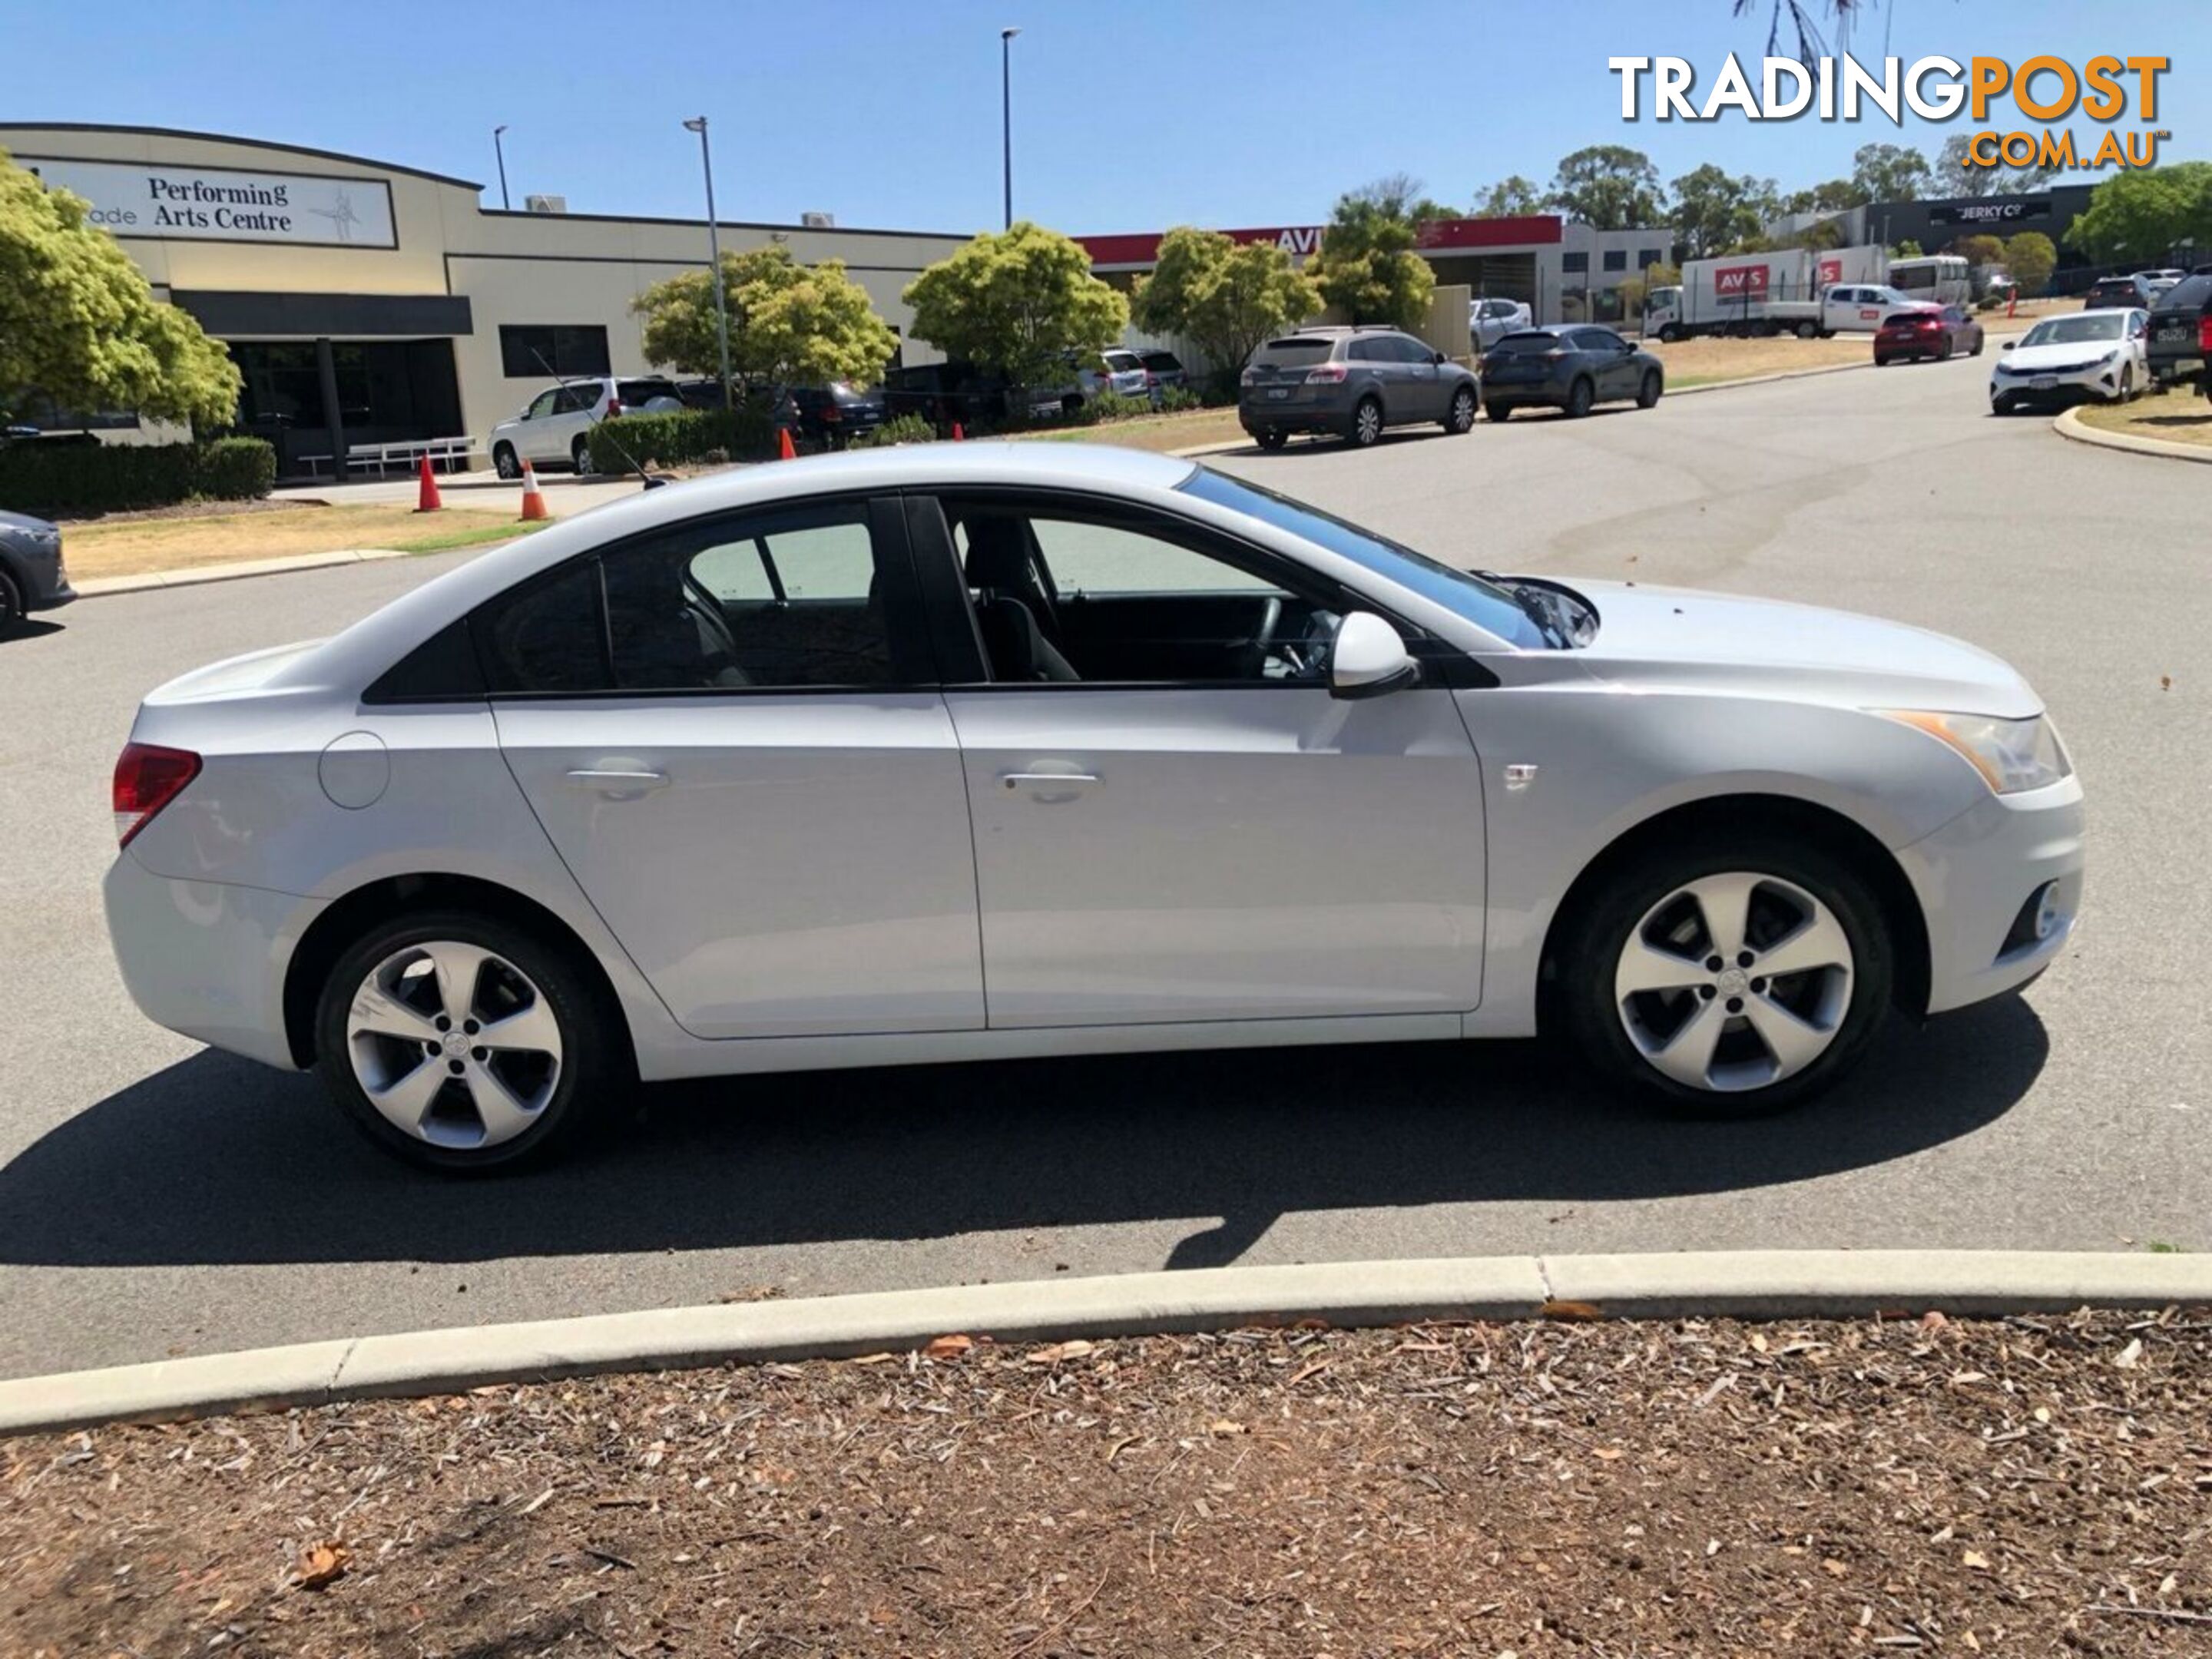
(32, 574)
(834, 415)
(1936, 331)
(2179, 343)
(2130, 293)
(1567, 365)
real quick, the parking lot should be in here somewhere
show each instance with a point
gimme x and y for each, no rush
(158, 1199)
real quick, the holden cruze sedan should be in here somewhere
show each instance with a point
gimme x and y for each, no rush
(961, 752)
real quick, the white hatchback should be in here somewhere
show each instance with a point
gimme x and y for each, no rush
(958, 751)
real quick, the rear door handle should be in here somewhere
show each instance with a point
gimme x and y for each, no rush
(621, 782)
(1050, 788)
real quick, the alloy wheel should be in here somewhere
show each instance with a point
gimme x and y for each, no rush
(1462, 411)
(1734, 982)
(453, 1045)
(1367, 422)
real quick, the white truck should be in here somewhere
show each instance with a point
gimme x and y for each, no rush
(1796, 291)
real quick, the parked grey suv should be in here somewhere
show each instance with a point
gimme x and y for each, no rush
(31, 576)
(1354, 382)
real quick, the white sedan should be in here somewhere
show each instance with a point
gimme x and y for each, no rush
(965, 752)
(2102, 355)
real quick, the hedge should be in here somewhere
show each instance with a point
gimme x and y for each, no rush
(695, 434)
(50, 475)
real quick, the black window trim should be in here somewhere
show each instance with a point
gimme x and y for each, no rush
(959, 642)
(895, 567)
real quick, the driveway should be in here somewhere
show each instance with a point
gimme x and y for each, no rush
(158, 1199)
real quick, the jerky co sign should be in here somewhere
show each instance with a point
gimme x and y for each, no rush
(201, 204)
(1991, 213)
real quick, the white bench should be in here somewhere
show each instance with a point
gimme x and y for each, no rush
(448, 453)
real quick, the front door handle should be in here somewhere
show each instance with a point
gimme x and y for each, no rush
(1050, 788)
(621, 783)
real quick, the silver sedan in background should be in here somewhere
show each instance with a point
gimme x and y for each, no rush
(964, 751)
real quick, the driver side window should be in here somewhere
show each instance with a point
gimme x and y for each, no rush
(1063, 597)
(541, 405)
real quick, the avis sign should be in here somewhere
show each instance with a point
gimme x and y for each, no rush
(1740, 282)
(206, 204)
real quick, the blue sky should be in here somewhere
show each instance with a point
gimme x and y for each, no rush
(1128, 116)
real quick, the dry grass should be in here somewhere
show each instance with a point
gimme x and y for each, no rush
(2180, 417)
(136, 546)
(1157, 433)
(1711, 361)
(1562, 1491)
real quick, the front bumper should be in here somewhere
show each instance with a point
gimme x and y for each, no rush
(207, 959)
(60, 594)
(2096, 382)
(1974, 875)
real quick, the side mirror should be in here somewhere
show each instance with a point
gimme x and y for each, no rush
(1437, 357)
(1369, 660)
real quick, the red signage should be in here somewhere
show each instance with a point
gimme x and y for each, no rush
(1443, 235)
(1740, 282)
(1831, 270)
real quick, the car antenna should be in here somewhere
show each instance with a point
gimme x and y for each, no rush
(651, 482)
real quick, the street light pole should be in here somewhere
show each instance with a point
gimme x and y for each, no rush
(1007, 114)
(698, 124)
(499, 151)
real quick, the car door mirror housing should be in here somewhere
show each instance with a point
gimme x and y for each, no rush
(1437, 357)
(1369, 660)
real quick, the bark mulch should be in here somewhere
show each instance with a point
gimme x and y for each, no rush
(2021, 1486)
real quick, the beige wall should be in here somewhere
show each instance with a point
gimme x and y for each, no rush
(514, 268)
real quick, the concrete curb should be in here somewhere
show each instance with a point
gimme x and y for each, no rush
(95, 586)
(2069, 424)
(1759, 1284)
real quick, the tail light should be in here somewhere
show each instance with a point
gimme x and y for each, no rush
(1151, 380)
(614, 406)
(1249, 377)
(2204, 333)
(147, 779)
(1327, 374)
(831, 412)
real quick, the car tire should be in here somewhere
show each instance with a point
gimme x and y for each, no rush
(1071, 403)
(1944, 355)
(1272, 437)
(2003, 406)
(1824, 1016)
(1461, 418)
(1580, 396)
(1980, 340)
(2128, 393)
(580, 456)
(1366, 428)
(587, 1050)
(504, 463)
(1669, 334)
(1498, 412)
(1646, 393)
(12, 608)
(1808, 330)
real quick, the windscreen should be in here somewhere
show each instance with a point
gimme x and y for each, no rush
(2076, 330)
(1483, 604)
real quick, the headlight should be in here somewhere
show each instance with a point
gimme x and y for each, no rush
(2010, 754)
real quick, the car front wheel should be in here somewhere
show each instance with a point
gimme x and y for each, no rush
(504, 463)
(462, 1044)
(1461, 418)
(1742, 980)
(1648, 393)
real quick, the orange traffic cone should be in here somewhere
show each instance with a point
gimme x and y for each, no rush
(784, 452)
(426, 500)
(958, 436)
(2013, 304)
(533, 499)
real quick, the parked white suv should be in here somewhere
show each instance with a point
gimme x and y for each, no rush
(1489, 321)
(555, 430)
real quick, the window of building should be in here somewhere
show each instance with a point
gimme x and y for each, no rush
(1647, 257)
(1575, 264)
(533, 350)
(1616, 258)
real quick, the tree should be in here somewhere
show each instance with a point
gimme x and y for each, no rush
(79, 322)
(1820, 236)
(790, 323)
(1907, 249)
(1713, 211)
(1835, 196)
(1401, 195)
(2141, 213)
(2029, 259)
(1955, 177)
(1980, 250)
(1661, 274)
(1513, 198)
(1366, 266)
(1610, 186)
(1890, 173)
(1225, 298)
(1019, 302)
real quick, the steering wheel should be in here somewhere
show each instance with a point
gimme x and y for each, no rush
(1306, 658)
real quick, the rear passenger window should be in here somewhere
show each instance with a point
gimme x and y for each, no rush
(548, 638)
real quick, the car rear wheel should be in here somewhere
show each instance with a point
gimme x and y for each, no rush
(504, 463)
(459, 1042)
(579, 453)
(1367, 422)
(1648, 393)
(1272, 437)
(1580, 396)
(1741, 980)
(11, 606)
(1461, 418)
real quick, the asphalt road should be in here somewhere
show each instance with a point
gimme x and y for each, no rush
(158, 1199)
